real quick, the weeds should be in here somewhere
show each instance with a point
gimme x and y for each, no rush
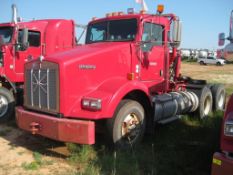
(183, 147)
(37, 163)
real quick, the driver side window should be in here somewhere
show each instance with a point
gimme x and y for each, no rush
(153, 34)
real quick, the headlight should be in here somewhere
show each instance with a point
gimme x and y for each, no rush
(228, 128)
(91, 104)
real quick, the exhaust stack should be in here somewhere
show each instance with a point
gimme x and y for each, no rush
(14, 13)
(231, 27)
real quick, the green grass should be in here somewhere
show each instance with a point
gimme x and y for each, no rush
(182, 147)
(36, 163)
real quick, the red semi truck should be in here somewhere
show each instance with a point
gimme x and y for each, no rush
(223, 161)
(21, 42)
(126, 76)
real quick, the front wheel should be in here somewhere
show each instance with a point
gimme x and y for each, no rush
(7, 104)
(218, 64)
(202, 63)
(127, 126)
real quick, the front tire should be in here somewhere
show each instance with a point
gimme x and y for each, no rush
(202, 63)
(218, 64)
(127, 126)
(7, 104)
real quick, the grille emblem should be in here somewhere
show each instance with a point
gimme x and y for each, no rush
(39, 82)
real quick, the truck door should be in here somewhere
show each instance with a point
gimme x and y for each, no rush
(32, 52)
(152, 53)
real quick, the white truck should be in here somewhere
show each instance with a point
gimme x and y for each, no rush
(211, 60)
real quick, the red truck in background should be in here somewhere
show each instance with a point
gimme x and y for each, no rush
(21, 42)
(223, 161)
(126, 77)
(227, 51)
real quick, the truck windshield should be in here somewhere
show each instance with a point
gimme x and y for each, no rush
(5, 34)
(114, 30)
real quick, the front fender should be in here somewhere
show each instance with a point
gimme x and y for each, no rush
(111, 92)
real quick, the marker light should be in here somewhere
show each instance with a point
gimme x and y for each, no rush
(143, 12)
(130, 10)
(94, 18)
(108, 15)
(160, 8)
(130, 76)
(120, 13)
(115, 14)
(91, 104)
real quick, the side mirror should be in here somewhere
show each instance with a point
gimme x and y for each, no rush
(25, 38)
(1, 40)
(176, 33)
(22, 43)
(221, 39)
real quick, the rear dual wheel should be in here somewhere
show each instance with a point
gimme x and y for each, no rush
(205, 102)
(127, 126)
(219, 97)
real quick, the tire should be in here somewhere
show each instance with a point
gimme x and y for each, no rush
(202, 63)
(219, 97)
(129, 113)
(7, 105)
(205, 102)
(218, 64)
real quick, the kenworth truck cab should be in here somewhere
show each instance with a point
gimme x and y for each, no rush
(126, 76)
(21, 42)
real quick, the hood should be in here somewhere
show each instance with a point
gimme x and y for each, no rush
(86, 51)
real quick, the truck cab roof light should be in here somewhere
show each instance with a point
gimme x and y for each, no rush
(143, 12)
(108, 15)
(94, 18)
(115, 14)
(120, 13)
(160, 9)
(130, 10)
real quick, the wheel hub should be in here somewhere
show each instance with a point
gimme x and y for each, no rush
(3, 106)
(221, 100)
(130, 127)
(207, 105)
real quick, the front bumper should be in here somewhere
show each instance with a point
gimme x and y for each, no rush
(221, 165)
(61, 129)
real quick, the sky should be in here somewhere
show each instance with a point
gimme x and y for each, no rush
(202, 20)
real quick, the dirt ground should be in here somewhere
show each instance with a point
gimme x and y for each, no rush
(17, 147)
(212, 73)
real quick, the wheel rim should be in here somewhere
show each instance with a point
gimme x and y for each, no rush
(207, 105)
(3, 105)
(221, 100)
(130, 127)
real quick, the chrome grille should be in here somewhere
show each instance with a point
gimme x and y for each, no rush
(42, 87)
